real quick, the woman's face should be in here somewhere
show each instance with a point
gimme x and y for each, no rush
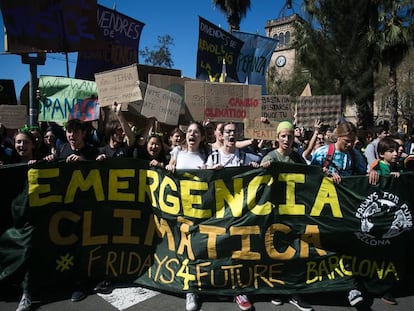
(175, 139)
(49, 138)
(194, 136)
(24, 146)
(345, 143)
(154, 147)
(285, 139)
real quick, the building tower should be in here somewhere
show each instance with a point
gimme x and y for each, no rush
(283, 58)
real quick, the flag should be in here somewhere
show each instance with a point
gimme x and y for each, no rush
(215, 44)
(254, 58)
(118, 44)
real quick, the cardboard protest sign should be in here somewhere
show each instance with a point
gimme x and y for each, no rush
(222, 101)
(162, 105)
(59, 95)
(118, 85)
(325, 108)
(13, 116)
(274, 108)
(86, 110)
(173, 84)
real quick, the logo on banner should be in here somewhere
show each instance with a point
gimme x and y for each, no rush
(382, 217)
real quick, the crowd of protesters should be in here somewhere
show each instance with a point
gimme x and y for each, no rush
(340, 151)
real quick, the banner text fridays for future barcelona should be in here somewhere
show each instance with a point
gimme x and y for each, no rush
(282, 230)
(214, 45)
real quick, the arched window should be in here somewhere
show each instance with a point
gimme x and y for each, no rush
(281, 39)
(276, 37)
(287, 38)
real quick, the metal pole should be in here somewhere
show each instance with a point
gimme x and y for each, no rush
(33, 109)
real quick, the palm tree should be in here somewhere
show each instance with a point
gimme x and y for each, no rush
(235, 11)
(393, 38)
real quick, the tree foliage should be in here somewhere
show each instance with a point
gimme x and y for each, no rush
(160, 56)
(235, 11)
(333, 46)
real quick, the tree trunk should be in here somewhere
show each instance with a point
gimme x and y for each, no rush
(393, 97)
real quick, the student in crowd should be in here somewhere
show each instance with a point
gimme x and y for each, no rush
(387, 164)
(25, 152)
(299, 135)
(370, 153)
(218, 133)
(76, 150)
(153, 151)
(399, 139)
(50, 141)
(6, 146)
(317, 140)
(228, 155)
(176, 138)
(119, 136)
(343, 160)
(340, 159)
(285, 153)
(409, 144)
(193, 155)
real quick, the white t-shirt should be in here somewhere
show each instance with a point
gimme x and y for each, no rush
(232, 159)
(187, 159)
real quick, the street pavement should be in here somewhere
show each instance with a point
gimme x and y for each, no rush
(137, 298)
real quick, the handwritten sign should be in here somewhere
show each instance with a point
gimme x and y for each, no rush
(86, 110)
(222, 101)
(59, 95)
(274, 108)
(326, 108)
(161, 104)
(13, 116)
(118, 85)
(214, 45)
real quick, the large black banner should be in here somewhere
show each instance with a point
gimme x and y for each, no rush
(53, 26)
(286, 229)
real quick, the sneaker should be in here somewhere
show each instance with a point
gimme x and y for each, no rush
(277, 301)
(25, 303)
(78, 295)
(243, 302)
(388, 298)
(103, 287)
(191, 302)
(355, 297)
(299, 303)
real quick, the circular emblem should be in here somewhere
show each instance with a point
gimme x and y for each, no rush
(382, 217)
(280, 61)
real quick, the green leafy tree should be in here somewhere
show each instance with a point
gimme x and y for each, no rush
(161, 55)
(392, 38)
(235, 11)
(334, 47)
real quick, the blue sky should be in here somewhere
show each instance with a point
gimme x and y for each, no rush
(179, 19)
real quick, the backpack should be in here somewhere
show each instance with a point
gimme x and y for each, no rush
(329, 156)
